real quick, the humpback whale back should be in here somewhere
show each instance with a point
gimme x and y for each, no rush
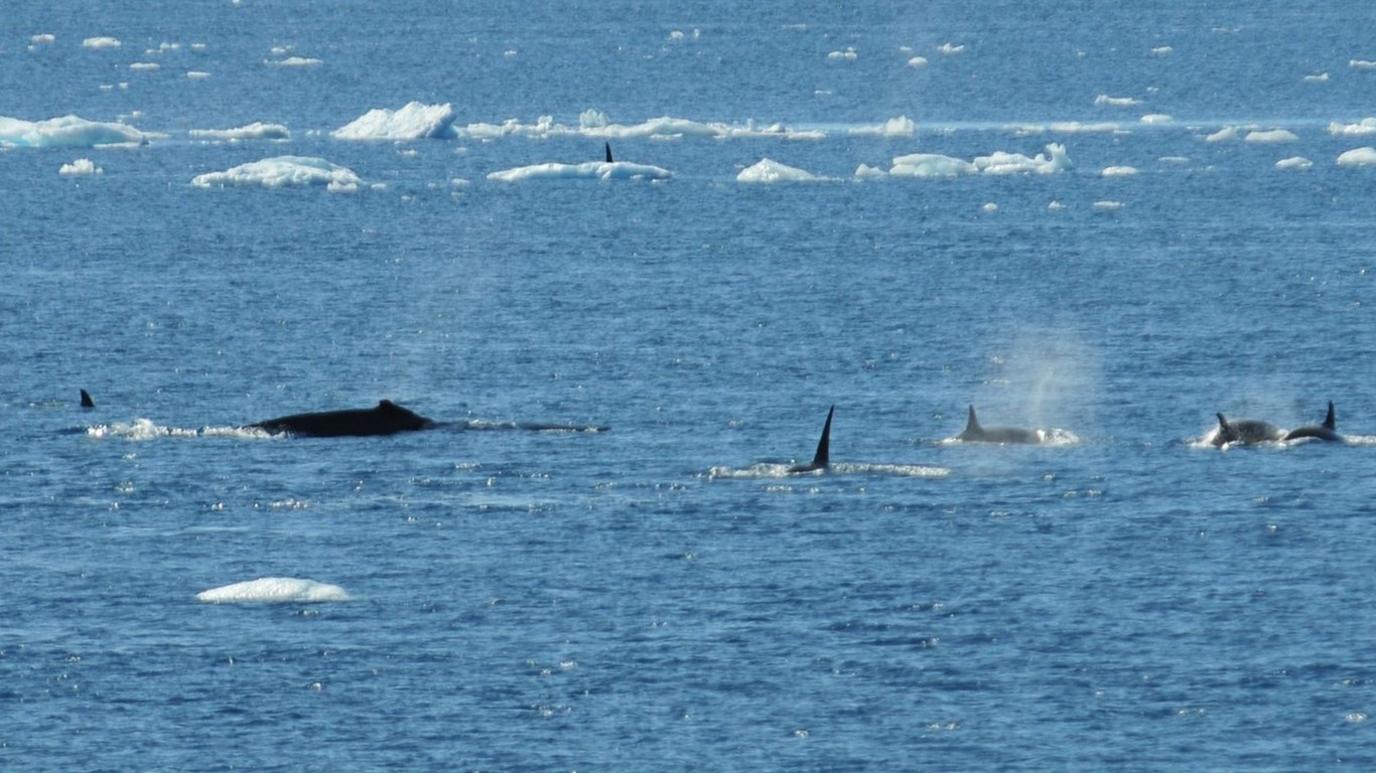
(386, 419)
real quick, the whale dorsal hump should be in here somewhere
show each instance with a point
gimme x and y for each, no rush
(1330, 421)
(87, 402)
(971, 423)
(823, 456)
(608, 147)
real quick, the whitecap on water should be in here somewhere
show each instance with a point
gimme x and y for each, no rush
(273, 590)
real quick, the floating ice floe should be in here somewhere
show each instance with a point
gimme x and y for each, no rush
(936, 165)
(274, 590)
(1321, 77)
(294, 61)
(284, 171)
(413, 122)
(1156, 118)
(594, 123)
(42, 39)
(1104, 99)
(591, 170)
(950, 49)
(1298, 163)
(1162, 51)
(1358, 157)
(1118, 171)
(254, 131)
(1272, 136)
(769, 171)
(1107, 206)
(1361, 64)
(1174, 159)
(97, 43)
(67, 131)
(1226, 134)
(989, 208)
(867, 172)
(80, 167)
(144, 66)
(917, 61)
(848, 55)
(901, 126)
(1360, 129)
(197, 75)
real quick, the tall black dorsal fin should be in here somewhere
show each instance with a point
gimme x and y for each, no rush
(1223, 427)
(1331, 421)
(87, 402)
(823, 456)
(972, 423)
(608, 147)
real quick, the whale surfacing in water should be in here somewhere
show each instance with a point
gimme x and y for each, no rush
(86, 401)
(1326, 431)
(387, 418)
(975, 433)
(822, 459)
(1245, 432)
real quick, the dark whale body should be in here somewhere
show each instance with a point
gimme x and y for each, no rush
(1326, 431)
(387, 418)
(975, 433)
(822, 459)
(1245, 432)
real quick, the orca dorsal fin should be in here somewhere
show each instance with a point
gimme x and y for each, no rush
(972, 423)
(1224, 429)
(1330, 421)
(87, 402)
(823, 456)
(608, 147)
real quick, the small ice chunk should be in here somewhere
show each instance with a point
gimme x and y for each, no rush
(1055, 206)
(97, 43)
(294, 61)
(918, 61)
(867, 172)
(1361, 64)
(1104, 99)
(43, 39)
(1226, 134)
(1107, 206)
(1298, 163)
(950, 49)
(1270, 137)
(989, 208)
(284, 171)
(1156, 118)
(412, 122)
(273, 590)
(80, 167)
(197, 75)
(1321, 77)
(899, 126)
(1118, 171)
(1162, 51)
(1360, 129)
(254, 131)
(848, 55)
(930, 165)
(767, 171)
(144, 66)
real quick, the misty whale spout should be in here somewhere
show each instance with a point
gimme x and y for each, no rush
(387, 418)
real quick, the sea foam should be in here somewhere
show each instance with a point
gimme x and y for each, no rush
(284, 171)
(413, 122)
(274, 590)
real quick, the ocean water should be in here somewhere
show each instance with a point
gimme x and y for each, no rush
(662, 596)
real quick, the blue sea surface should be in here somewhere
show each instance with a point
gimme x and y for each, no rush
(663, 595)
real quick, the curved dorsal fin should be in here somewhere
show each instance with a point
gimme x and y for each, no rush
(972, 423)
(1331, 421)
(608, 147)
(823, 456)
(87, 402)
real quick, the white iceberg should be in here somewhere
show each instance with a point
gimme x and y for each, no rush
(1162, 51)
(294, 61)
(100, 42)
(1361, 64)
(274, 590)
(930, 165)
(590, 170)
(1298, 163)
(1270, 137)
(67, 132)
(1226, 134)
(768, 171)
(1118, 171)
(900, 126)
(412, 122)
(284, 171)
(1104, 99)
(1360, 129)
(1358, 157)
(937, 165)
(867, 172)
(254, 131)
(80, 167)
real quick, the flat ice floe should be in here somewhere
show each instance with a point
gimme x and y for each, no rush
(1270, 137)
(69, 131)
(1298, 163)
(1118, 171)
(590, 170)
(254, 131)
(1358, 157)
(900, 126)
(1361, 64)
(274, 590)
(414, 121)
(284, 171)
(768, 171)
(1104, 99)
(1156, 119)
(100, 42)
(1360, 129)
(294, 61)
(80, 167)
(937, 165)
(594, 123)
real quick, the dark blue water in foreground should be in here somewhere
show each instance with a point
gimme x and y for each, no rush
(660, 597)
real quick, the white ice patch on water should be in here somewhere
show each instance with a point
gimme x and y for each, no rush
(867, 172)
(1226, 134)
(769, 172)
(848, 55)
(144, 66)
(1360, 129)
(254, 131)
(1358, 157)
(197, 75)
(593, 123)
(1118, 171)
(930, 165)
(1156, 119)
(590, 170)
(1107, 206)
(43, 39)
(1162, 51)
(66, 132)
(284, 171)
(900, 126)
(413, 122)
(80, 167)
(294, 61)
(1321, 77)
(1298, 163)
(274, 590)
(1361, 64)
(1104, 99)
(101, 42)
(917, 61)
(998, 163)
(1271, 136)
(950, 49)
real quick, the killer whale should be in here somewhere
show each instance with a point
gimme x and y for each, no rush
(973, 432)
(1325, 431)
(86, 401)
(608, 147)
(386, 418)
(822, 459)
(1244, 432)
